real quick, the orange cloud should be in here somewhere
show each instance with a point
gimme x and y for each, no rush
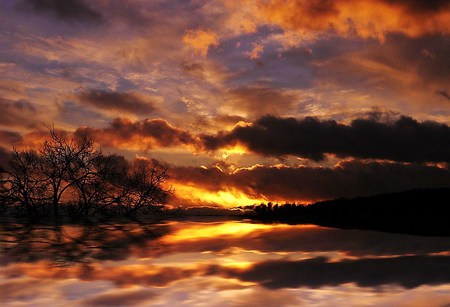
(200, 40)
(364, 18)
(140, 135)
(256, 52)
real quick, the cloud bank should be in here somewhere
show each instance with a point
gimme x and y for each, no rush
(404, 139)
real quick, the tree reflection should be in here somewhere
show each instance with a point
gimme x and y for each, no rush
(66, 245)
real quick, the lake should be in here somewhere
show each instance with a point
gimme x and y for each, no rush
(219, 263)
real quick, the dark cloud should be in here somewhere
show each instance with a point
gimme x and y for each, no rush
(156, 128)
(194, 69)
(420, 6)
(404, 139)
(16, 113)
(348, 179)
(259, 100)
(145, 134)
(127, 102)
(443, 94)
(67, 10)
(10, 137)
(407, 271)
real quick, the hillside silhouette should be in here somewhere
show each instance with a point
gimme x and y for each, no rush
(422, 212)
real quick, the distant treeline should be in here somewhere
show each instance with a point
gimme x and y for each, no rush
(423, 211)
(72, 177)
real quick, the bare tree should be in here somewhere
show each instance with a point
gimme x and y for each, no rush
(86, 172)
(111, 187)
(143, 187)
(25, 187)
(74, 170)
(56, 155)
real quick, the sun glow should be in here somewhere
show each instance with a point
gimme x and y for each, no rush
(233, 150)
(225, 198)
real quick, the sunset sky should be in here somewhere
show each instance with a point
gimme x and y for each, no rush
(247, 101)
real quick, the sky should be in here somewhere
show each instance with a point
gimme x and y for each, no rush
(246, 101)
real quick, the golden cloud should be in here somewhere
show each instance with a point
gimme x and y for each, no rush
(363, 18)
(200, 40)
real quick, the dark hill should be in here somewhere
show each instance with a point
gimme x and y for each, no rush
(424, 212)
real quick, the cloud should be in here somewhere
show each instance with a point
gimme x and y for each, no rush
(194, 69)
(16, 112)
(421, 7)
(152, 275)
(347, 179)
(367, 19)
(256, 51)
(22, 289)
(443, 94)
(10, 137)
(200, 40)
(404, 139)
(407, 271)
(258, 296)
(258, 100)
(67, 10)
(127, 102)
(140, 135)
(402, 60)
(121, 298)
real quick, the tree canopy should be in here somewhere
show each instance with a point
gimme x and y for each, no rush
(72, 176)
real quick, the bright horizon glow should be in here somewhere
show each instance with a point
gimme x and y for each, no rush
(228, 199)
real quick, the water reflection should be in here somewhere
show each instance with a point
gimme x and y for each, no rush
(232, 263)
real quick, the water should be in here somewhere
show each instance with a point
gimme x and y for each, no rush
(219, 263)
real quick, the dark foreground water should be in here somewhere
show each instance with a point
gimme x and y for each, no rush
(221, 263)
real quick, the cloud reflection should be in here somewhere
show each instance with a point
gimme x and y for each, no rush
(144, 263)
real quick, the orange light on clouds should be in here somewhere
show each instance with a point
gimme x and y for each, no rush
(200, 40)
(367, 19)
(233, 150)
(229, 198)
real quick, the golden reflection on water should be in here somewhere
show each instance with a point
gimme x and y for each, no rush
(196, 231)
(231, 263)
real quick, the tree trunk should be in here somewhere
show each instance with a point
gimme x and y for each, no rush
(55, 205)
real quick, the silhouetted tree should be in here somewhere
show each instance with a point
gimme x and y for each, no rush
(142, 189)
(75, 171)
(60, 163)
(25, 186)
